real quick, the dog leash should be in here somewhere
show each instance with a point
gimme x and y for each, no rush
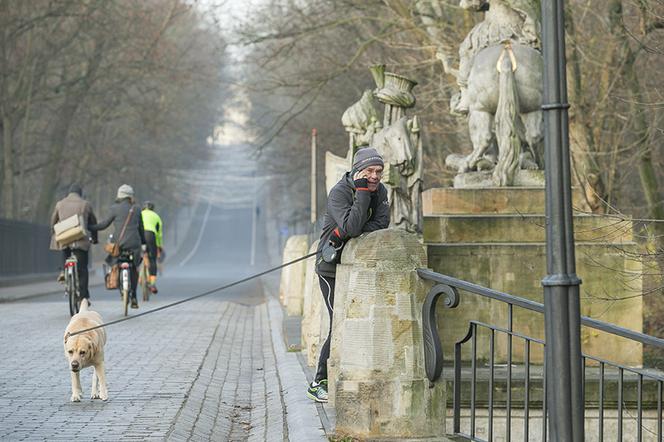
(182, 301)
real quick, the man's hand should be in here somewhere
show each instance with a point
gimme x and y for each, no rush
(361, 180)
(335, 239)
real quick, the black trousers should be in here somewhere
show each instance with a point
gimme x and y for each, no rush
(151, 245)
(82, 257)
(327, 287)
(133, 279)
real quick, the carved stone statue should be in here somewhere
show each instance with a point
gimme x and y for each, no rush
(401, 146)
(514, 20)
(500, 80)
(361, 121)
(397, 138)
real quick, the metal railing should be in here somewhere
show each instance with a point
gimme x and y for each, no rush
(594, 369)
(24, 249)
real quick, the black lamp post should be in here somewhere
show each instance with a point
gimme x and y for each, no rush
(561, 285)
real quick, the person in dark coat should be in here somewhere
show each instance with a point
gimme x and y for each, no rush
(74, 204)
(133, 239)
(357, 204)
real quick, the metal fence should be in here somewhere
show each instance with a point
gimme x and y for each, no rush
(615, 394)
(24, 249)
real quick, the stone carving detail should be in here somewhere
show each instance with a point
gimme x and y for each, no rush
(397, 138)
(500, 82)
(361, 121)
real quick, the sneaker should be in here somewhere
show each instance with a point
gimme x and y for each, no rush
(61, 277)
(134, 302)
(318, 391)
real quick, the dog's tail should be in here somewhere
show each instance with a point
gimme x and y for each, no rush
(84, 305)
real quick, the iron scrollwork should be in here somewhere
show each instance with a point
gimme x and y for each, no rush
(433, 351)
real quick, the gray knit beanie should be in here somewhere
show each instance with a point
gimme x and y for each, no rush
(125, 191)
(365, 157)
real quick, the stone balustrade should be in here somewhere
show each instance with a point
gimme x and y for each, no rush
(291, 287)
(377, 381)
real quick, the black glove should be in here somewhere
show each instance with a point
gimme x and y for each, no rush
(361, 183)
(335, 239)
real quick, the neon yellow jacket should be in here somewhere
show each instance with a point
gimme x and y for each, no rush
(152, 223)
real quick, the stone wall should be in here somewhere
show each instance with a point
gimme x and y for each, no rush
(496, 238)
(377, 379)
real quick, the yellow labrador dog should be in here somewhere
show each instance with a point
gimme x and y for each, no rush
(84, 350)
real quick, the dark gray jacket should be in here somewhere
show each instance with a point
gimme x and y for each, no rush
(353, 212)
(134, 234)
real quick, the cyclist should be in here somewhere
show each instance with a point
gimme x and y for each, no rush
(74, 204)
(153, 239)
(125, 211)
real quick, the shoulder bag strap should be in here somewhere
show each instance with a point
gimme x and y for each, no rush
(124, 227)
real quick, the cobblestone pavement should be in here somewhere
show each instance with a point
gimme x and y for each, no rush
(212, 369)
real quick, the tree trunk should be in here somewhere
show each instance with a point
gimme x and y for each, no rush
(643, 143)
(60, 133)
(583, 146)
(8, 191)
(50, 180)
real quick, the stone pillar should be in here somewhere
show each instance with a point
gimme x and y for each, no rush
(315, 319)
(291, 287)
(377, 379)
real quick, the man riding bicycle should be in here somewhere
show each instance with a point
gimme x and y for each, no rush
(153, 240)
(130, 236)
(74, 204)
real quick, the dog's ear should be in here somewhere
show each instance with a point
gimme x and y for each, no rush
(67, 334)
(94, 348)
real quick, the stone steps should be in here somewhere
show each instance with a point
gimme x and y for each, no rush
(592, 396)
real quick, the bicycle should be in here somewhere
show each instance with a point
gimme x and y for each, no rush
(125, 262)
(72, 288)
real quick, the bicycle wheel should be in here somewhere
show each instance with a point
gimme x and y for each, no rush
(70, 287)
(124, 289)
(125, 301)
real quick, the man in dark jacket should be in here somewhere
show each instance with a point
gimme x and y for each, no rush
(356, 204)
(74, 204)
(133, 239)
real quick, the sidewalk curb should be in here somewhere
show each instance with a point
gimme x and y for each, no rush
(304, 422)
(39, 289)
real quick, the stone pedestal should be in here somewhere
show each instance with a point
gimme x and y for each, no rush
(315, 319)
(495, 237)
(377, 379)
(291, 287)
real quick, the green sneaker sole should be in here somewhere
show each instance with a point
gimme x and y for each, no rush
(315, 398)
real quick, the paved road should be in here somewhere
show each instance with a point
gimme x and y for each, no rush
(211, 369)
